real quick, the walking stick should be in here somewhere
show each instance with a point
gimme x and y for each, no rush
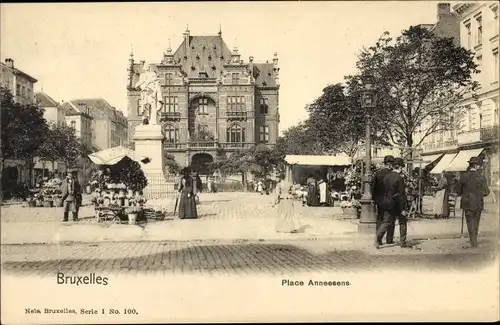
(463, 217)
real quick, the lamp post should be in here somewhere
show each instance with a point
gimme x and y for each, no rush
(368, 218)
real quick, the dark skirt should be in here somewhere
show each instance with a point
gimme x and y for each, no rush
(312, 196)
(187, 207)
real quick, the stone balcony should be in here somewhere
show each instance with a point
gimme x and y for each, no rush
(469, 137)
(440, 146)
(207, 145)
(170, 116)
(489, 134)
(236, 115)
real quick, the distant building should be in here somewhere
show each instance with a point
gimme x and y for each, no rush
(80, 119)
(478, 132)
(212, 99)
(19, 83)
(447, 24)
(55, 114)
(109, 125)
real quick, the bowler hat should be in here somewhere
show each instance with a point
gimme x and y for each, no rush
(388, 159)
(398, 162)
(475, 160)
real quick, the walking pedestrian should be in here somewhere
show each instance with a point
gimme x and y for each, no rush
(187, 202)
(394, 203)
(472, 188)
(71, 195)
(287, 221)
(378, 194)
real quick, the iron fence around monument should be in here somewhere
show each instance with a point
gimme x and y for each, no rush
(161, 186)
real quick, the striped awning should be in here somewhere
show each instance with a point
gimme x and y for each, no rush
(443, 163)
(461, 161)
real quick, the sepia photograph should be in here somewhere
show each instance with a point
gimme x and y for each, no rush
(269, 161)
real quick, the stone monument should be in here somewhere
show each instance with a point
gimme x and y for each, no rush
(149, 135)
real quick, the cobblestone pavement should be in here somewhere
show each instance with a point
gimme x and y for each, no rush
(242, 257)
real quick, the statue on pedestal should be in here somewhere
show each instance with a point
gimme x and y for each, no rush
(150, 88)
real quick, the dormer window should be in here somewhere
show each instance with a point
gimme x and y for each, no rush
(215, 47)
(264, 83)
(203, 75)
(185, 57)
(269, 73)
(210, 57)
(222, 57)
(193, 67)
(214, 67)
(197, 57)
(192, 47)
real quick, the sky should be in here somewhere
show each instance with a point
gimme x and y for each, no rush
(81, 50)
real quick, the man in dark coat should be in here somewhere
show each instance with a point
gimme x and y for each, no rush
(378, 194)
(393, 203)
(472, 187)
(71, 195)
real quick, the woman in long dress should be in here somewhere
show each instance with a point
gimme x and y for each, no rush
(312, 193)
(287, 222)
(441, 205)
(187, 203)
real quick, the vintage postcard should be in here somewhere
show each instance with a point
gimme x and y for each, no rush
(286, 161)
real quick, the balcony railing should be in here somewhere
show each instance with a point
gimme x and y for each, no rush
(234, 115)
(235, 145)
(202, 144)
(174, 145)
(490, 133)
(469, 137)
(440, 145)
(170, 116)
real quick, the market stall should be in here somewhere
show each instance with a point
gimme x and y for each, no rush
(118, 187)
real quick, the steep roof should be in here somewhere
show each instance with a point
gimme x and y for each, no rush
(102, 106)
(70, 110)
(264, 75)
(44, 100)
(205, 53)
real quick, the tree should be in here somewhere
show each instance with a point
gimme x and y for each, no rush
(171, 164)
(298, 140)
(23, 129)
(420, 79)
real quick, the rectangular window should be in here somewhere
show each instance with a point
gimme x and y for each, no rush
(235, 78)
(171, 134)
(18, 90)
(168, 79)
(479, 39)
(170, 104)
(495, 114)
(139, 108)
(203, 105)
(264, 134)
(469, 35)
(264, 108)
(496, 67)
(73, 125)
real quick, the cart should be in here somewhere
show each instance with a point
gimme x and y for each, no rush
(109, 213)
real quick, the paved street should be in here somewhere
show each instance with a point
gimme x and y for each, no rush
(242, 257)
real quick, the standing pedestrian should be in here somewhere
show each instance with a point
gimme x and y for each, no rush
(71, 195)
(472, 188)
(441, 200)
(187, 202)
(394, 203)
(378, 194)
(288, 221)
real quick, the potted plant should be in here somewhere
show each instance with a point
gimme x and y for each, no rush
(348, 208)
(132, 215)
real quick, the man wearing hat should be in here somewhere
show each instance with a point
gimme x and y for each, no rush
(378, 194)
(472, 187)
(393, 203)
(71, 195)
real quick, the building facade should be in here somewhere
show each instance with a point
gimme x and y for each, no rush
(213, 101)
(109, 125)
(80, 120)
(478, 130)
(19, 83)
(55, 114)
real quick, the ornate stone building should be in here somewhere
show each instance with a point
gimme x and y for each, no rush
(213, 102)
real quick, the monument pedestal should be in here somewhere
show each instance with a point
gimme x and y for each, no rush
(149, 143)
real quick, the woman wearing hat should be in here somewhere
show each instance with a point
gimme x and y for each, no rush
(187, 203)
(472, 188)
(441, 205)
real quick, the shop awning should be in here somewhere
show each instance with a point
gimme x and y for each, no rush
(460, 163)
(318, 160)
(114, 155)
(443, 163)
(426, 160)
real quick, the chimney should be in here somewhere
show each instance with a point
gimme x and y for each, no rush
(10, 63)
(186, 38)
(444, 9)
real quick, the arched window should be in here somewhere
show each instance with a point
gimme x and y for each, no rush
(236, 134)
(171, 133)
